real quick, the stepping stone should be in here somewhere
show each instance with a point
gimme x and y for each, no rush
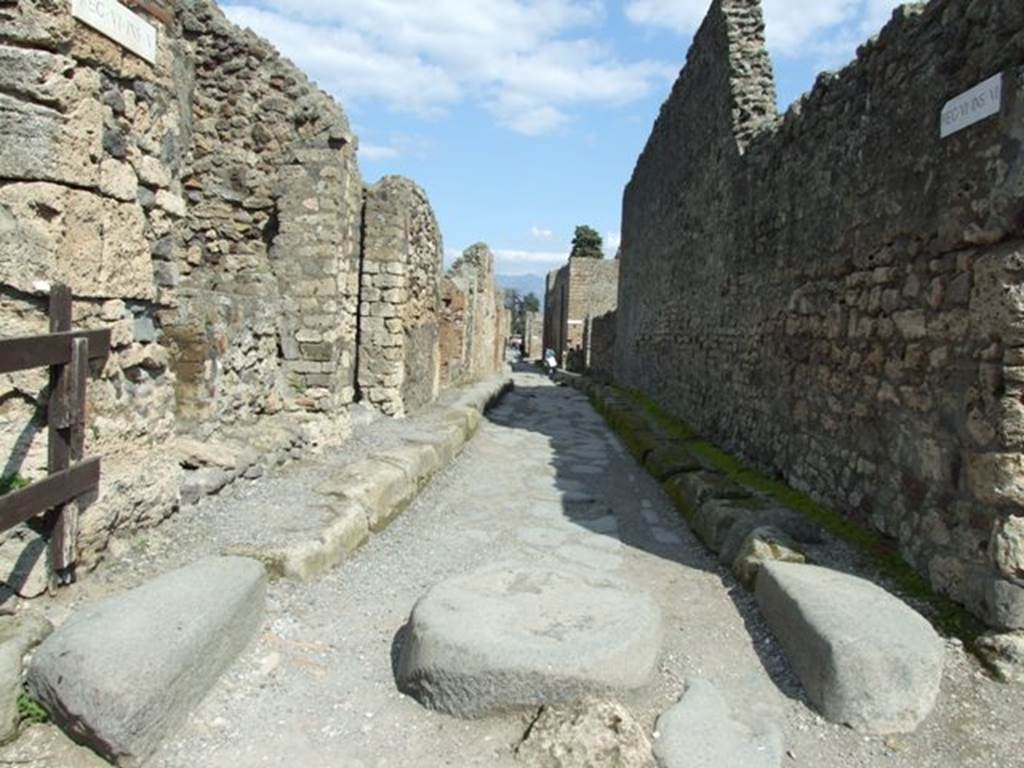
(523, 634)
(122, 675)
(700, 732)
(866, 659)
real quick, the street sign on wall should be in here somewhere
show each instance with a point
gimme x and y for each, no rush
(119, 24)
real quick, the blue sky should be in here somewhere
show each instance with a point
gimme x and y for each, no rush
(523, 118)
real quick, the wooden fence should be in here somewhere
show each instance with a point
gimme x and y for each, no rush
(69, 477)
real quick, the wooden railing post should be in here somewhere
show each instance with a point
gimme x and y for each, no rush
(61, 419)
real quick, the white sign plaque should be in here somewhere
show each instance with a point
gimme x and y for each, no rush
(119, 24)
(973, 106)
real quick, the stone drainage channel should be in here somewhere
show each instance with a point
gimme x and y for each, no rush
(543, 563)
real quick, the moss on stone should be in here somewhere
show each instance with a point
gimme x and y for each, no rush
(948, 616)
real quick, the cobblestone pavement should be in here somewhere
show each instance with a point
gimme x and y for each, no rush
(544, 479)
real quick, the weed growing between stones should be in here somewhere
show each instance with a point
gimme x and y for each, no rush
(949, 618)
(30, 711)
(13, 482)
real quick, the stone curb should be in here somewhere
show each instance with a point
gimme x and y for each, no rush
(368, 495)
(740, 524)
(713, 505)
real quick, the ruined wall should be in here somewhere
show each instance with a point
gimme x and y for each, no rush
(89, 188)
(556, 300)
(266, 270)
(582, 289)
(472, 345)
(836, 294)
(600, 345)
(399, 346)
(207, 209)
(533, 338)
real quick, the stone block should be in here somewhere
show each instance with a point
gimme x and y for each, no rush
(122, 675)
(668, 460)
(95, 244)
(586, 734)
(1004, 654)
(517, 635)
(42, 144)
(701, 732)
(764, 545)
(996, 478)
(787, 521)
(865, 658)
(691, 489)
(716, 517)
(304, 561)
(382, 489)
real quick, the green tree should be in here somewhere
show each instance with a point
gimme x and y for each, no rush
(587, 244)
(531, 303)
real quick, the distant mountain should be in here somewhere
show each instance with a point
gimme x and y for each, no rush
(524, 284)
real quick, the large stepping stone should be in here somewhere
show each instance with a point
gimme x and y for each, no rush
(516, 635)
(700, 732)
(122, 675)
(865, 658)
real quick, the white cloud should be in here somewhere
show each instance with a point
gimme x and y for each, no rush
(378, 152)
(529, 62)
(541, 233)
(514, 263)
(794, 28)
(683, 16)
(612, 241)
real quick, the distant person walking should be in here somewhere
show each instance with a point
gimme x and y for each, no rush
(550, 362)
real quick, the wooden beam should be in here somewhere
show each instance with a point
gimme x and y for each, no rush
(25, 352)
(18, 506)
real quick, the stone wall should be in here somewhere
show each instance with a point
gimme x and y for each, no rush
(473, 319)
(835, 293)
(207, 208)
(600, 345)
(90, 188)
(400, 299)
(533, 338)
(582, 289)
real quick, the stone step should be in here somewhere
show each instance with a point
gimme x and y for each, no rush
(701, 732)
(516, 635)
(122, 675)
(865, 658)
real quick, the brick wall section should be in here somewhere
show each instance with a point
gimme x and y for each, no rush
(269, 256)
(399, 355)
(835, 294)
(582, 289)
(472, 347)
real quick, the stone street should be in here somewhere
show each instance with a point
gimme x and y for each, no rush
(544, 482)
